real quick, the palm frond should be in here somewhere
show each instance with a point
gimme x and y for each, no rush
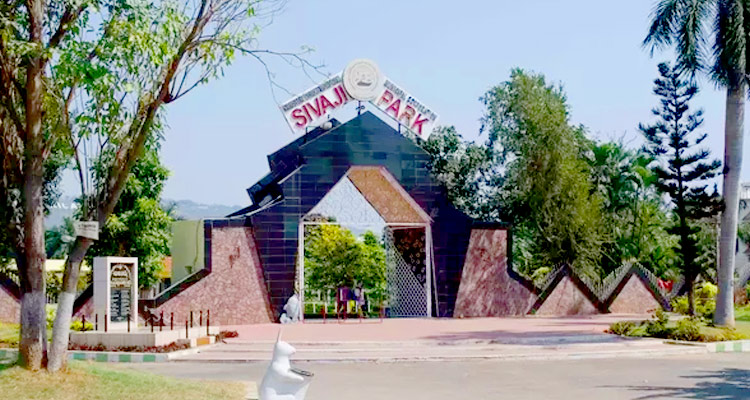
(730, 43)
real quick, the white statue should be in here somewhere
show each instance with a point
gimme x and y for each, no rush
(292, 310)
(282, 382)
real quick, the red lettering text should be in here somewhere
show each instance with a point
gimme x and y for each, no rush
(299, 117)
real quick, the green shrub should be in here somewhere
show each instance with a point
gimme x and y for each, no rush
(687, 329)
(705, 301)
(623, 328)
(657, 327)
(78, 326)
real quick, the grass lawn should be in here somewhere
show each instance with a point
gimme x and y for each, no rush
(85, 380)
(9, 334)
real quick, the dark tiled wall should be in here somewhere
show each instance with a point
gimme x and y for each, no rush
(365, 140)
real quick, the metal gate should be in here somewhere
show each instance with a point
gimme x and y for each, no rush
(407, 295)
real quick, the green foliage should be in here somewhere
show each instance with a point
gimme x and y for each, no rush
(139, 226)
(547, 189)
(633, 216)
(705, 301)
(679, 167)
(465, 170)
(78, 326)
(334, 257)
(687, 329)
(623, 328)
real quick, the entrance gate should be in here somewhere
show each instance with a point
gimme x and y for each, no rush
(408, 286)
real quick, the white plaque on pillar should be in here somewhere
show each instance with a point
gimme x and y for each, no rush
(116, 291)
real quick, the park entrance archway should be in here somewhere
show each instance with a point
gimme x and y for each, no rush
(366, 235)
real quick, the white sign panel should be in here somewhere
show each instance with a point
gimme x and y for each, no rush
(87, 229)
(406, 109)
(361, 80)
(311, 108)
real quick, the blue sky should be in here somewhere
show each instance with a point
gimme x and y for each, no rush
(445, 53)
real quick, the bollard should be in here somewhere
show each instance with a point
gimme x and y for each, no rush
(128, 322)
(161, 320)
(105, 322)
(200, 318)
(187, 332)
(151, 317)
(208, 321)
(171, 321)
(191, 318)
(83, 323)
(96, 322)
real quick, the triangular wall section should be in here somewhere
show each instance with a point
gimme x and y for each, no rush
(567, 299)
(634, 298)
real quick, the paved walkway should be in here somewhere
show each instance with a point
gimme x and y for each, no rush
(405, 340)
(500, 330)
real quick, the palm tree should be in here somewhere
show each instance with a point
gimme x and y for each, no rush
(710, 37)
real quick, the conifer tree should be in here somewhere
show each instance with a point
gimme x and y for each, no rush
(681, 168)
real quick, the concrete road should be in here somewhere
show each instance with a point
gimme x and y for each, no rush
(699, 376)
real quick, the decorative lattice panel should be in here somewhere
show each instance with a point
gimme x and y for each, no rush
(407, 296)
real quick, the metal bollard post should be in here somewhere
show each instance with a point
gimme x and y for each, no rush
(128, 322)
(208, 321)
(83, 323)
(200, 318)
(96, 322)
(151, 317)
(161, 320)
(191, 318)
(187, 332)
(105, 322)
(171, 321)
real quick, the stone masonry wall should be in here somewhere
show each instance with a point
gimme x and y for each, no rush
(10, 307)
(487, 289)
(567, 299)
(235, 291)
(634, 298)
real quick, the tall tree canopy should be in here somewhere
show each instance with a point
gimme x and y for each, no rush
(710, 37)
(547, 190)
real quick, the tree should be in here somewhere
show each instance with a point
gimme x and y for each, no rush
(139, 226)
(546, 189)
(335, 258)
(631, 209)
(710, 37)
(680, 169)
(464, 169)
(94, 76)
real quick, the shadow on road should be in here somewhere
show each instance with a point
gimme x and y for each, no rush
(725, 384)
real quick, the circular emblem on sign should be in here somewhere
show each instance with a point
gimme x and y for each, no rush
(362, 79)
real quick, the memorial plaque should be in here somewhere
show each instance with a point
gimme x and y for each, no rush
(120, 283)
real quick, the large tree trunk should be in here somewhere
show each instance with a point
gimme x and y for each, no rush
(58, 354)
(733, 132)
(33, 316)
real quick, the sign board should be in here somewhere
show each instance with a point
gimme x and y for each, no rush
(406, 109)
(120, 276)
(311, 107)
(361, 80)
(86, 229)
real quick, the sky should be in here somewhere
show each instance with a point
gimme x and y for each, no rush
(447, 54)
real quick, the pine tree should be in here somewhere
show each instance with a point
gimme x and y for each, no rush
(681, 169)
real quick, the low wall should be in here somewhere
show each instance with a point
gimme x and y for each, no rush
(489, 287)
(10, 306)
(231, 285)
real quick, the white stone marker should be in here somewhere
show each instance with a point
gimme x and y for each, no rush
(116, 291)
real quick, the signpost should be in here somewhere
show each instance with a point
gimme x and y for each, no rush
(116, 289)
(86, 229)
(362, 81)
